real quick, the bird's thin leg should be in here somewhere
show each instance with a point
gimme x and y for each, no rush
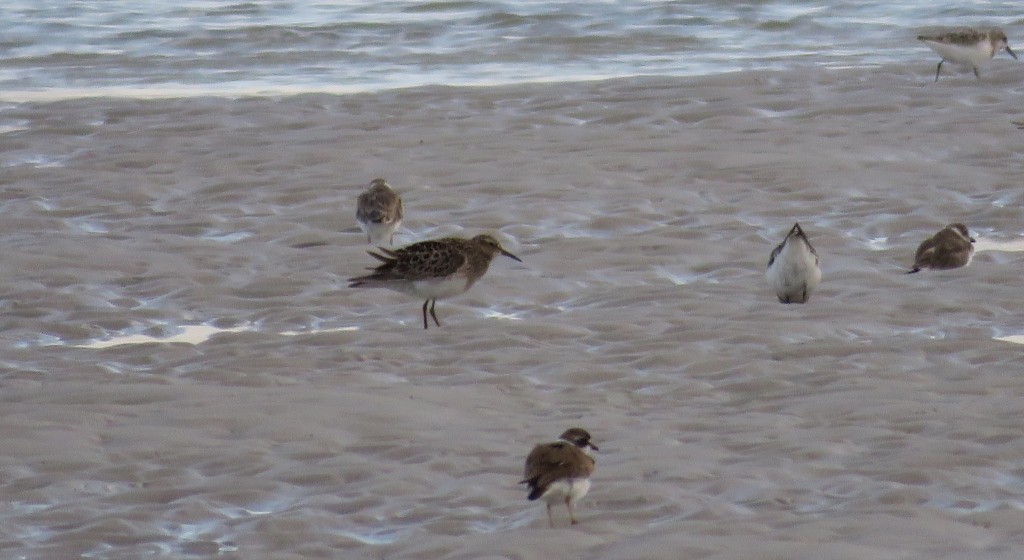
(976, 74)
(432, 314)
(425, 313)
(572, 514)
(938, 68)
(551, 520)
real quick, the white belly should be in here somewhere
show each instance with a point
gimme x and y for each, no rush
(794, 274)
(971, 55)
(432, 289)
(379, 234)
(574, 488)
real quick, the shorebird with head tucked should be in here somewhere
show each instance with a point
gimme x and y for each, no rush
(559, 472)
(953, 247)
(793, 268)
(379, 212)
(434, 269)
(967, 46)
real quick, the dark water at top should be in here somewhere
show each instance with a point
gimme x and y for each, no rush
(195, 47)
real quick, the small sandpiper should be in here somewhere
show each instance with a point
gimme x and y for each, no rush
(793, 269)
(379, 212)
(434, 269)
(953, 247)
(559, 472)
(967, 46)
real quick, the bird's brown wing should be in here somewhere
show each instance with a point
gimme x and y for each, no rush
(925, 251)
(952, 250)
(549, 462)
(419, 261)
(775, 253)
(945, 249)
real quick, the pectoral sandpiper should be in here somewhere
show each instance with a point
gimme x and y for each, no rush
(434, 269)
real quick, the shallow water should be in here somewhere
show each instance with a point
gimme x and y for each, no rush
(185, 373)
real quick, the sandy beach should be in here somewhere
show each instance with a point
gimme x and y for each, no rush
(881, 420)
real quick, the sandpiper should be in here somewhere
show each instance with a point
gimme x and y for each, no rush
(560, 471)
(967, 46)
(379, 212)
(793, 269)
(434, 269)
(953, 247)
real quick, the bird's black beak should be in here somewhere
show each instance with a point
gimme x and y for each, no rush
(1011, 52)
(510, 255)
(592, 446)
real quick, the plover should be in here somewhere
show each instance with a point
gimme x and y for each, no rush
(967, 46)
(953, 247)
(559, 472)
(434, 269)
(793, 269)
(379, 212)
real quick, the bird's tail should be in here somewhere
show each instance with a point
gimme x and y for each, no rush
(535, 492)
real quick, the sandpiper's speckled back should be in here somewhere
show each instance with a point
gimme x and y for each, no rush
(436, 258)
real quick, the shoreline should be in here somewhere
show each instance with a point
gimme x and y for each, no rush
(279, 91)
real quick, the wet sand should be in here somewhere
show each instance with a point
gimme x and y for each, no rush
(880, 420)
